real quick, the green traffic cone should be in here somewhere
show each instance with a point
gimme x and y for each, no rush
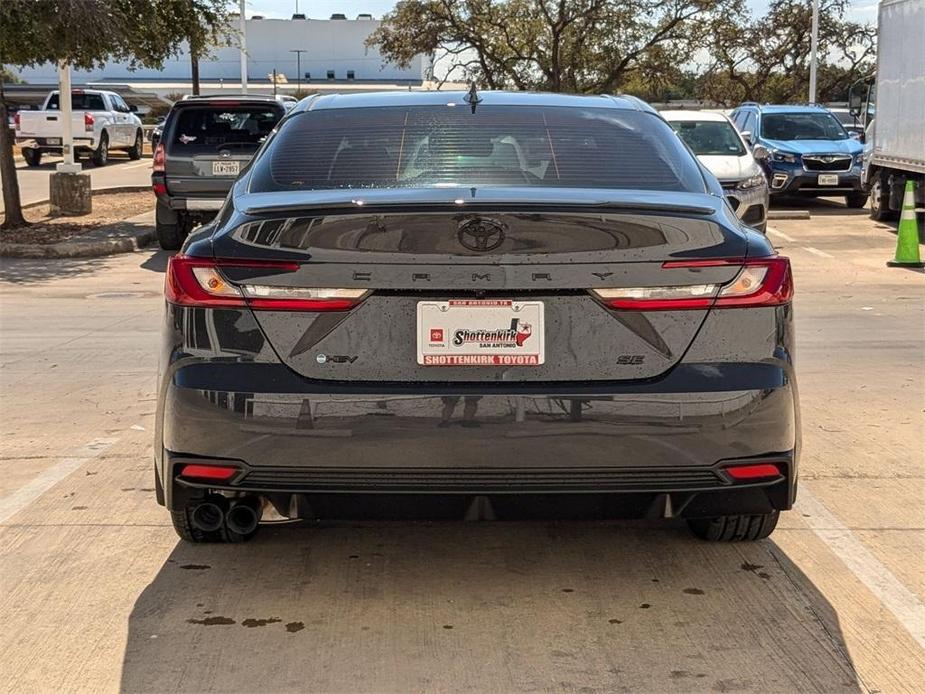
(907, 240)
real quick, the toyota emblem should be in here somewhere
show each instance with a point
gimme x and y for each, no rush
(480, 235)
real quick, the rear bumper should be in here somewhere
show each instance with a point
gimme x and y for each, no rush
(287, 435)
(792, 180)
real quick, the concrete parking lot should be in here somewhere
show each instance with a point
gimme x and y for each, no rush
(99, 595)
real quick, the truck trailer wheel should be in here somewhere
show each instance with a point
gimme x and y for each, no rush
(880, 201)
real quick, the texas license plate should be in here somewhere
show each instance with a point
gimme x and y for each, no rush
(480, 332)
(225, 168)
(828, 179)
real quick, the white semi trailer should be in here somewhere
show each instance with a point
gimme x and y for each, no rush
(891, 105)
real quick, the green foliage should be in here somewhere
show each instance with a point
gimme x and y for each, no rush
(89, 33)
(710, 50)
(557, 45)
(768, 59)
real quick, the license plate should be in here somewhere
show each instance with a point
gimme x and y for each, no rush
(828, 179)
(480, 332)
(54, 140)
(225, 168)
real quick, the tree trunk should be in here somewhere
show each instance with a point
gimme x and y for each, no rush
(12, 205)
(194, 70)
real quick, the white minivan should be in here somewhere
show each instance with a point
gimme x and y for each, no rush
(720, 147)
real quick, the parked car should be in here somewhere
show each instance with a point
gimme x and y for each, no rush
(721, 148)
(157, 131)
(206, 142)
(478, 296)
(100, 121)
(810, 152)
(849, 122)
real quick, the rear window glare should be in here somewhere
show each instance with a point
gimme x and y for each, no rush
(444, 146)
(210, 130)
(79, 102)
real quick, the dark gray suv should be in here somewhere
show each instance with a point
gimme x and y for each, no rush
(206, 142)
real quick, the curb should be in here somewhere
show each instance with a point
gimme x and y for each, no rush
(788, 214)
(122, 237)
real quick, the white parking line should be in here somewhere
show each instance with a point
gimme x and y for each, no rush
(903, 603)
(816, 251)
(15, 502)
(137, 164)
(781, 234)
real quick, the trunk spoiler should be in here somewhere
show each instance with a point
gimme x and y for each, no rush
(463, 199)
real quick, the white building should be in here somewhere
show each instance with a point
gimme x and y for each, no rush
(333, 50)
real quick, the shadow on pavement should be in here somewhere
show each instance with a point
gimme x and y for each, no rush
(157, 262)
(503, 606)
(25, 270)
(817, 206)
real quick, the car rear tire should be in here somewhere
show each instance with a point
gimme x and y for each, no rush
(856, 200)
(734, 528)
(134, 152)
(33, 157)
(183, 525)
(169, 236)
(100, 156)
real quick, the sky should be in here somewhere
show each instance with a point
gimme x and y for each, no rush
(861, 10)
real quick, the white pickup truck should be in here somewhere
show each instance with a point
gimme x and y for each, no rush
(101, 121)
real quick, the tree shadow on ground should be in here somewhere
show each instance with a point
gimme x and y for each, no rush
(598, 606)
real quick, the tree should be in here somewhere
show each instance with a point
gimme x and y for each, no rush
(593, 46)
(87, 34)
(768, 59)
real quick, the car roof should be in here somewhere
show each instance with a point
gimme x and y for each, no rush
(442, 98)
(786, 108)
(224, 99)
(694, 115)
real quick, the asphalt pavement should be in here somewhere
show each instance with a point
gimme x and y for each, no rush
(99, 595)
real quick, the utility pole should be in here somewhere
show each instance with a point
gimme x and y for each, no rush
(298, 70)
(67, 134)
(243, 27)
(68, 188)
(813, 49)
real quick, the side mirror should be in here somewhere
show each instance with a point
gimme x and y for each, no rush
(133, 108)
(747, 136)
(854, 103)
(760, 152)
(855, 135)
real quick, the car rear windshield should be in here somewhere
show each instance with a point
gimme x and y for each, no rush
(710, 138)
(449, 146)
(79, 102)
(802, 126)
(211, 129)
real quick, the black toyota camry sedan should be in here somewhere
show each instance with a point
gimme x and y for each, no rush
(461, 301)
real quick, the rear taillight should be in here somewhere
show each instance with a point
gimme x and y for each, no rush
(200, 282)
(208, 472)
(756, 471)
(88, 122)
(760, 282)
(16, 120)
(159, 163)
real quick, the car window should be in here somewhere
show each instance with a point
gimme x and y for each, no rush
(751, 123)
(736, 118)
(802, 126)
(120, 104)
(79, 102)
(440, 146)
(708, 137)
(207, 130)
